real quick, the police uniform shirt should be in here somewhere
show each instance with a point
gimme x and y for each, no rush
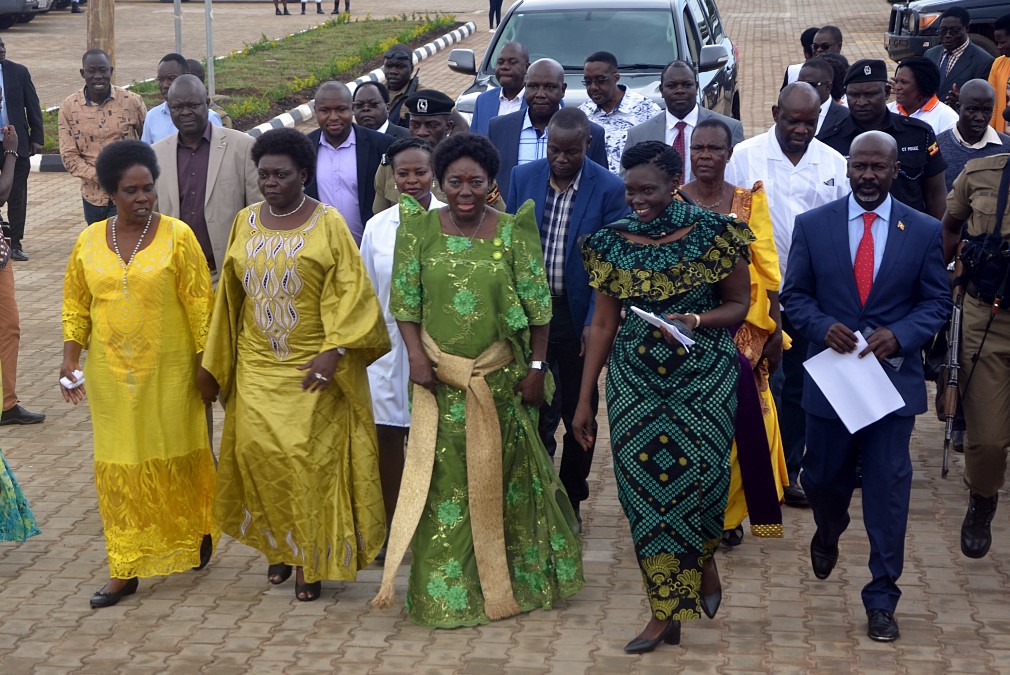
(918, 153)
(974, 196)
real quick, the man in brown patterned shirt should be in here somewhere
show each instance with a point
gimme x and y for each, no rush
(89, 120)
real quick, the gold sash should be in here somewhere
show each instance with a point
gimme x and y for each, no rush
(483, 471)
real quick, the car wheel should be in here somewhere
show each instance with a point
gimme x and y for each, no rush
(736, 107)
(8, 20)
(26, 17)
(984, 42)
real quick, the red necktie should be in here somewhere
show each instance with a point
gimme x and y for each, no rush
(678, 143)
(864, 258)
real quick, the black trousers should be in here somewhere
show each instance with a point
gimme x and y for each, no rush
(563, 349)
(494, 13)
(17, 202)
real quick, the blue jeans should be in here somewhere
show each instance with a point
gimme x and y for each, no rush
(93, 213)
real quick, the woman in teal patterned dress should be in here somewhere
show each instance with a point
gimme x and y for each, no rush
(671, 409)
(491, 530)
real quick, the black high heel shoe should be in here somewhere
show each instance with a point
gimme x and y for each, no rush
(640, 645)
(280, 572)
(109, 598)
(310, 591)
(710, 603)
(206, 549)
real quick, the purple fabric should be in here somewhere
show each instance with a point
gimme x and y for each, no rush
(337, 180)
(753, 453)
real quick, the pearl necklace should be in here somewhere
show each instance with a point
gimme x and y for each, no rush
(125, 264)
(469, 239)
(289, 213)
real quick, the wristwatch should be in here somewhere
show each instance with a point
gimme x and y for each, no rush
(539, 365)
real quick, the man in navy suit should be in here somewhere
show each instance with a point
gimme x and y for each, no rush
(510, 71)
(19, 108)
(347, 157)
(866, 263)
(521, 137)
(574, 198)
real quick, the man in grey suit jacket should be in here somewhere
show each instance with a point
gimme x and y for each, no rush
(957, 58)
(207, 173)
(679, 88)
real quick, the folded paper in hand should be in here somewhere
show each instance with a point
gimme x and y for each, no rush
(857, 388)
(651, 318)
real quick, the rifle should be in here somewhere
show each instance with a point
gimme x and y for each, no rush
(952, 375)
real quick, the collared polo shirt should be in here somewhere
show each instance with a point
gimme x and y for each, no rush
(933, 112)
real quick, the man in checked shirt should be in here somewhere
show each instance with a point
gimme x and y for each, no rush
(574, 198)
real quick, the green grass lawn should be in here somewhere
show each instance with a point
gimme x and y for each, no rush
(269, 76)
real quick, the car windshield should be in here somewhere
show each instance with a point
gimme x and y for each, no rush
(641, 39)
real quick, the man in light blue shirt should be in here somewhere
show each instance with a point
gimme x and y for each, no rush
(158, 123)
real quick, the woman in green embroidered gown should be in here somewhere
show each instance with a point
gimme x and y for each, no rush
(469, 281)
(671, 408)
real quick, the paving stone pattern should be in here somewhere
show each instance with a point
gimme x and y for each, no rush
(775, 617)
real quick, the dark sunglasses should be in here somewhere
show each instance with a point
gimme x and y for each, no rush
(397, 55)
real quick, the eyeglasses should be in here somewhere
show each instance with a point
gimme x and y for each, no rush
(952, 31)
(398, 54)
(598, 81)
(815, 85)
(365, 105)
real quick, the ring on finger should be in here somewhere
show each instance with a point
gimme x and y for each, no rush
(320, 377)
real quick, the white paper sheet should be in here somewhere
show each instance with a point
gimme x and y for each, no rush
(858, 389)
(651, 318)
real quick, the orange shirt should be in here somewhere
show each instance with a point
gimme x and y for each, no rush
(999, 77)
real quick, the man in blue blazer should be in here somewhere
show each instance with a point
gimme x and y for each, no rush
(861, 263)
(521, 137)
(574, 198)
(510, 71)
(21, 109)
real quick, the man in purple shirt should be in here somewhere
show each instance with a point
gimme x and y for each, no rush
(347, 157)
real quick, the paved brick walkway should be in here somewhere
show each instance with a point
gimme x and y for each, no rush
(775, 617)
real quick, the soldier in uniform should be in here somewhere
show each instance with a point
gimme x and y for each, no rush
(985, 396)
(401, 80)
(431, 118)
(920, 181)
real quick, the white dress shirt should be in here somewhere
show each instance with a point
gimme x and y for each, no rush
(388, 375)
(822, 113)
(691, 119)
(510, 105)
(817, 179)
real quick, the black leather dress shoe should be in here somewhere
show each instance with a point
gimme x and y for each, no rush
(822, 558)
(107, 599)
(976, 537)
(793, 495)
(882, 626)
(19, 255)
(640, 645)
(18, 415)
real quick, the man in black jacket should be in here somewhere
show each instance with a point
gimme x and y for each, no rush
(19, 108)
(347, 158)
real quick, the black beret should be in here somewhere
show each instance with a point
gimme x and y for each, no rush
(866, 70)
(428, 102)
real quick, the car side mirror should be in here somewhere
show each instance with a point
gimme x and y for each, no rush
(462, 61)
(712, 57)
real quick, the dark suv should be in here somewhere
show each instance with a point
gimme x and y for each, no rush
(644, 35)
(914, 27)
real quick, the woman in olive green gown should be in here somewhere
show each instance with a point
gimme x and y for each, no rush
(491, 530)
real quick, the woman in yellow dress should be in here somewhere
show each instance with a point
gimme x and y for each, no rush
(295, 325)
(137, 296)
(755, 483)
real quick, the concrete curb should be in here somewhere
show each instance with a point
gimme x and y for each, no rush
(294, 117)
